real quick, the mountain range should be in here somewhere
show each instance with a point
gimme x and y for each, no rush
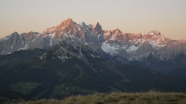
(113, 42)
(73, 58)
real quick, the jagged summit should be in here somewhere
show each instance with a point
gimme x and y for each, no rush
(64, 27)
(154, 33)
(82, 24)
(69, 19)
(97, 27)
(66, 22)
(14, 34)
(117, 31)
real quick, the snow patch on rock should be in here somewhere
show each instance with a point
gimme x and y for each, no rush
(24, 48)
(132, 48)
(108, 48)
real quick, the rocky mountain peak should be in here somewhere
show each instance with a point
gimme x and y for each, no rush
(155, 36)
(66, 23)
(97, 27)
(14, 34)
(83, 24)
(116, 31)
(31, 34)
(66, 26)
(154, 33)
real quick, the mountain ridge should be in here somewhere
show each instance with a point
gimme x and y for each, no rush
(113, 42)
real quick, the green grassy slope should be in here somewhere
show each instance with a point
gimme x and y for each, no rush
(119, 98)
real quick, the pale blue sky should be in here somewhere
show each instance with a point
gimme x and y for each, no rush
(136, 16)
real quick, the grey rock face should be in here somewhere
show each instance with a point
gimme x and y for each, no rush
(16, 42)
(11, 43)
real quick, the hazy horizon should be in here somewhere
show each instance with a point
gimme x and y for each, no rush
(133, 16)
